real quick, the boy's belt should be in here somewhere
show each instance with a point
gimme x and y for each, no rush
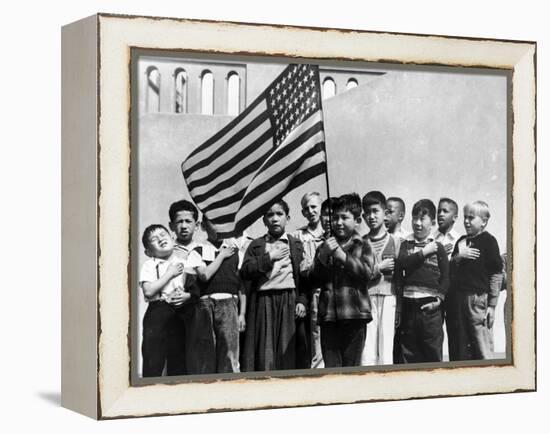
(218, 296)
(420, 301)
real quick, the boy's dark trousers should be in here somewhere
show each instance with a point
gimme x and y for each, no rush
(163, 341)
(303, 342)
(420, 333)
(342, 342)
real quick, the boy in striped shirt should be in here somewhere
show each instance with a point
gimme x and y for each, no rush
(380, 331)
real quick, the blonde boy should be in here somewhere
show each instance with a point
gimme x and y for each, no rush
(476, 277)
(311, 236)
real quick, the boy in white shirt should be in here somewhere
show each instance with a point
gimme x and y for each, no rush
(380, 331)
(162, 280)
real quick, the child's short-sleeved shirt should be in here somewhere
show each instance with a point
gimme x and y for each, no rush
(154, 268)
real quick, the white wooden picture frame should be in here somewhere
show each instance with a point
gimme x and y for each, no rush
(96, 212)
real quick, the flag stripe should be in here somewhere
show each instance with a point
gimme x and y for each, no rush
(273, 191)
(291, 161)
(241, 178)
(266, 180)
(240, 140)
(297, 181)
(310, 168)
(227, 200)
(261, 146)
(262, 185)
(208, 201)
(284, 150)
(229, 127)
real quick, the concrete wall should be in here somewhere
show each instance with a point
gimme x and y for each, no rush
(422, 135)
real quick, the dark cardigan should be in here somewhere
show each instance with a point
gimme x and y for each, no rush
(255, 265)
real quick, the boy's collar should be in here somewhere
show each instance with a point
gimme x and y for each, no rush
(380, 236)
(476, 235)
(161, 260)
(283, 237)
(187, 247)
(451, 232)
(320, 231)
(429, 238)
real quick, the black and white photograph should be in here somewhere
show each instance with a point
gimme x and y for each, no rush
(297, 217)
(363, 252)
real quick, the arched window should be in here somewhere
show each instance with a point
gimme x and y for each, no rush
(153, 90)
(329, 88)
(207, 93)
(233, 93)
(181, 91)
(352, 82)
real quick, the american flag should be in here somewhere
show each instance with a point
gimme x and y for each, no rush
(274, 146)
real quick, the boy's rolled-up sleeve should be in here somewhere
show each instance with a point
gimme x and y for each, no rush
(493, 259)
(495, 283)
(193, 261)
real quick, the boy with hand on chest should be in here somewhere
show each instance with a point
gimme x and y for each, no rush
(423, 279)
(184, 221)
(308, 335)
(162, 279)
(213, 338)
(476, 277)
(380, 331)
(342, 267)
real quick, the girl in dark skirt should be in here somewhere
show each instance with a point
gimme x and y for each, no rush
(272, 265)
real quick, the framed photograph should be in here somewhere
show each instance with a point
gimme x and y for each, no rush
(260, 216)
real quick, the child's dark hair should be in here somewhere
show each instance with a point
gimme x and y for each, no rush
(147, 233)
(183, 205)
(451, 202)
(399, 201)
(325, 206)
(374, 198)
(348, 202)
(282, 204)
(424, 207)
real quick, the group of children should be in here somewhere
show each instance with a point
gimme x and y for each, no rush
(323, 296)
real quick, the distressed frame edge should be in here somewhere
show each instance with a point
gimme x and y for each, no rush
(79, 140)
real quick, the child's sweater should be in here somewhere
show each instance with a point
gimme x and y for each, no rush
(474, 275)
(418, 273)
(386, 247)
